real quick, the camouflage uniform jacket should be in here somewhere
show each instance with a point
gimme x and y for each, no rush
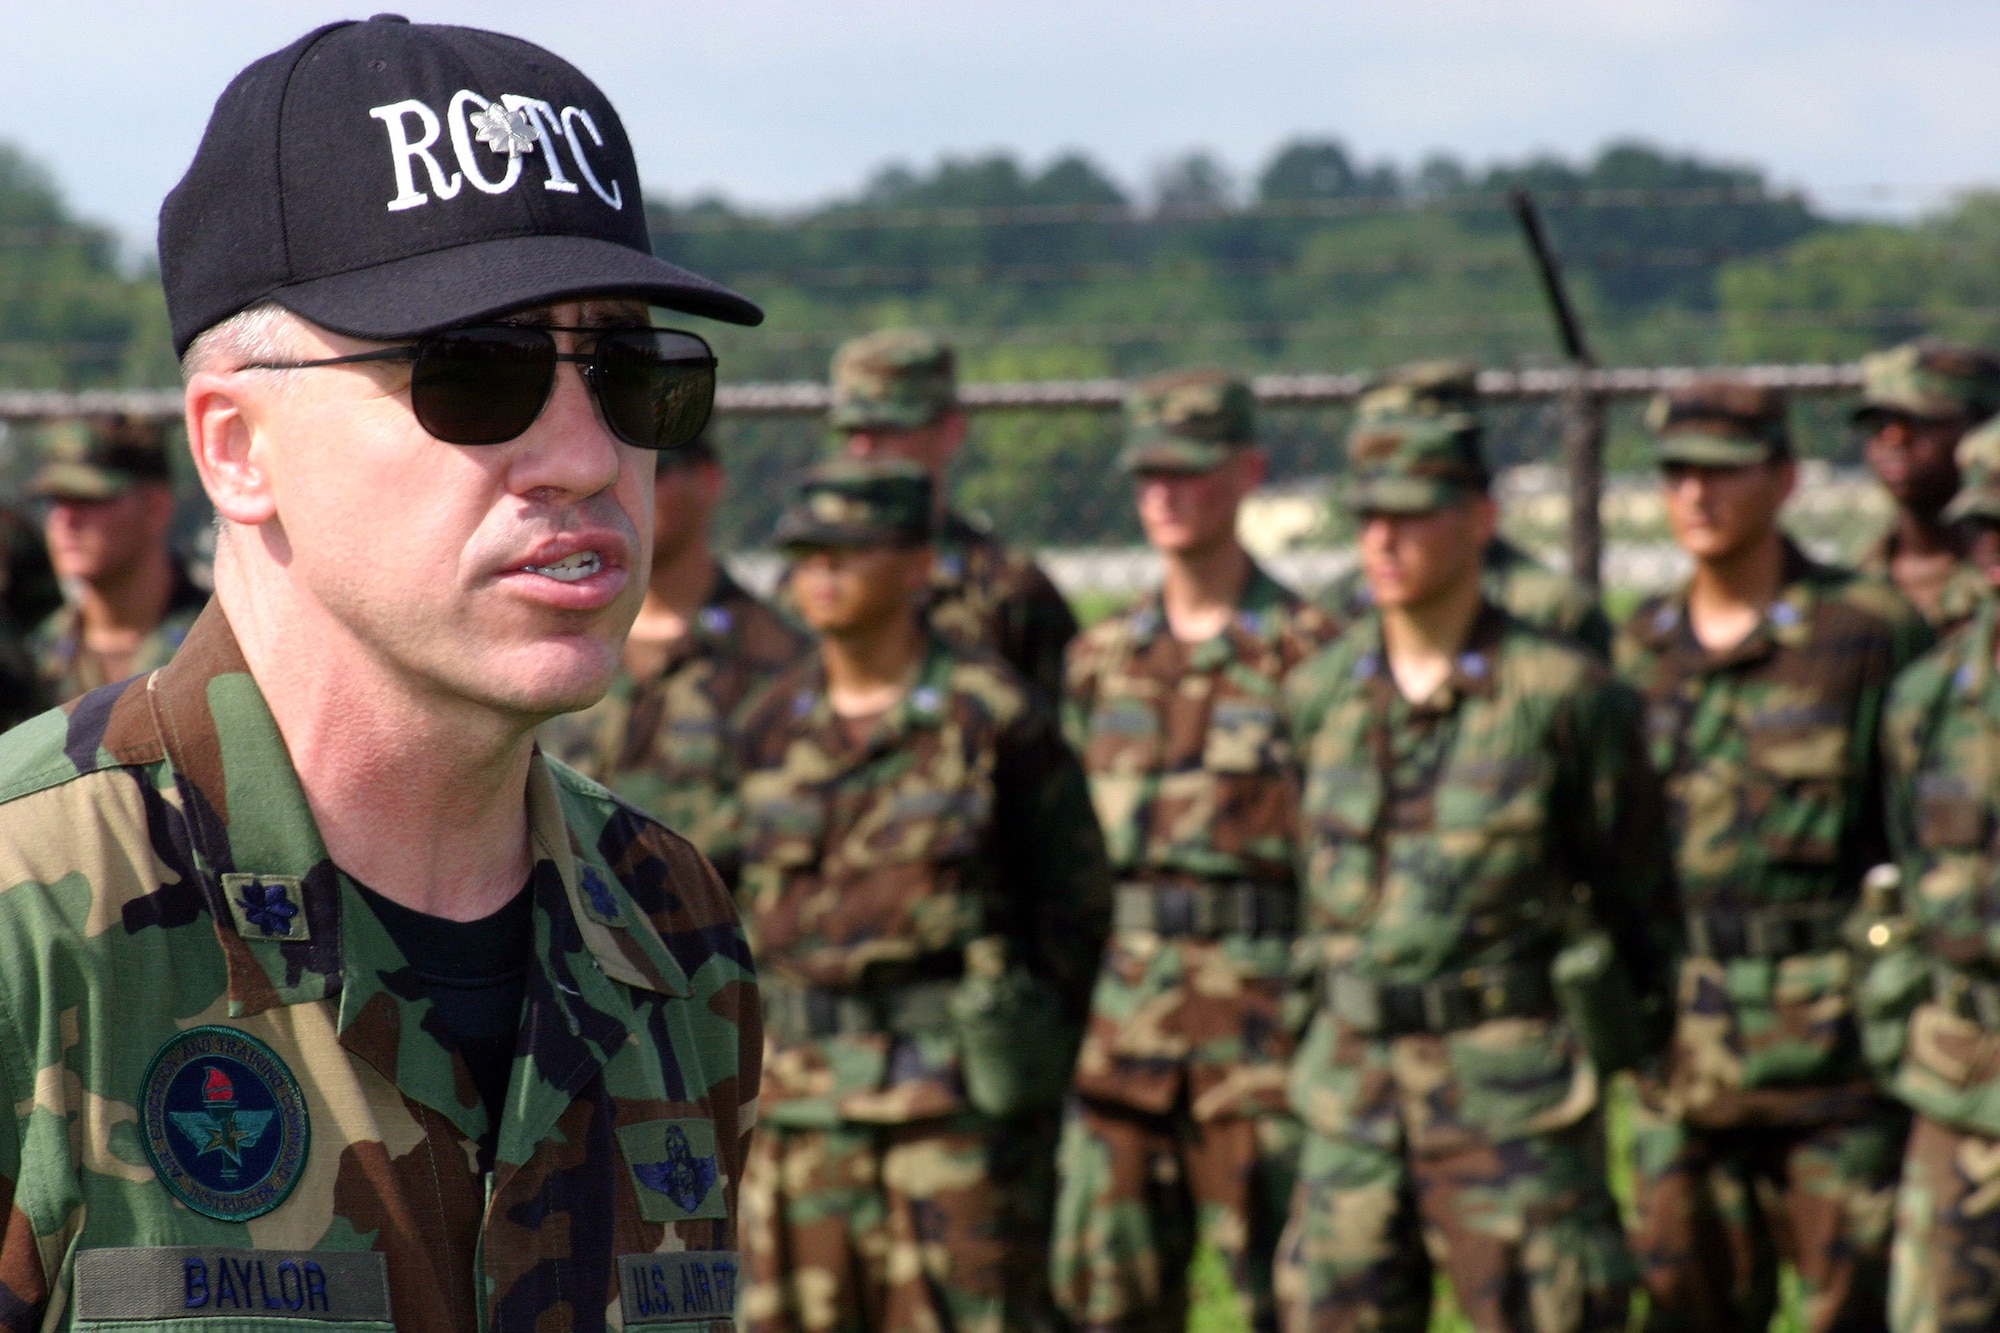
(1770, 760)
(1941, 746)
(1447, 841)
(1192, 778)
(985, 595)
(1519, 584)
(1964, 589)
(165, 897)
(960, 821)
(664, 743)
(67, 671)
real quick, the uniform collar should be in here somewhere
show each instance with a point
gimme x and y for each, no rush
(258, 849)
(1474, 671)
(922, 707)
(1260, 615)
(1786, 623)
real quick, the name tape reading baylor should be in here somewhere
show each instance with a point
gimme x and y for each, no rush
(325, 1000)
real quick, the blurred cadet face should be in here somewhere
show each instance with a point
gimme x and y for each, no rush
(930, 447)
(1716, 512)
(1982, 543)
(1912, 458)
(1190, 513)
(858, 590)
(1415, 560)
(106, 541)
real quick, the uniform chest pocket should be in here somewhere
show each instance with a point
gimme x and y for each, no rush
(1503, 797)
(1243, 737)
(1797, 757)
(1123, 734)
(1951, 816)
(922, 824)
(781, 829)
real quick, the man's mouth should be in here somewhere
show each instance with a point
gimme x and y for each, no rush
(571, 568)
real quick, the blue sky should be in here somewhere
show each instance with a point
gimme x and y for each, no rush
(785, 101)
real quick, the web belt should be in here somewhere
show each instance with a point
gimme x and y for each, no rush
(1205, 910)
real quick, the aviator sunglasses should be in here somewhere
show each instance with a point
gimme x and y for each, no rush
(486, 383)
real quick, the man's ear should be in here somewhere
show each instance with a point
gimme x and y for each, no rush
(222, 412)
(1253, 466)
(951, 434)
(1485, 519)
(1788, 477)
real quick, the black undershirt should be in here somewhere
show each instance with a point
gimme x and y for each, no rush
(475, 974)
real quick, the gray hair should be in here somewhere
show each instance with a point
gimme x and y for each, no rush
(264, 332)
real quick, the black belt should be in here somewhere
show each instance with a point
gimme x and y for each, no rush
(902, 1007)
(1234, 908)
(1968, 997)
(1443, 1004)
(1765, 932)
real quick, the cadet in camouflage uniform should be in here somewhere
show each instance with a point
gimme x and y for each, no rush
(1762, 1137)
(110, 502)
(895, 395)
(701, 647)
(1180, 1124)
(1975, 510)
(927, 891)
(1935, 987)
(325, 1001)
(1514, 580)
(1918, 400)
(1491, 925)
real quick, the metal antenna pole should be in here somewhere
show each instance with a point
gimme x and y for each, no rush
(1583, 410)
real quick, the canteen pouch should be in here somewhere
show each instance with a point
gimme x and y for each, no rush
(1596, 997)
(1893, 983)
(1016, 1049)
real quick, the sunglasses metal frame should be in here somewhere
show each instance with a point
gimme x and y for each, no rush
(589, 365)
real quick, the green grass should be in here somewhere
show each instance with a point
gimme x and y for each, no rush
(1214, 1312)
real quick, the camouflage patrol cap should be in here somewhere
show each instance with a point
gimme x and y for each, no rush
(897, 379)
(1978, 455)
(1929, 379)
(859, 502)
(1719, 423)
(1421, 389)
(1414, 464)
(1187, 421)
(100, 458)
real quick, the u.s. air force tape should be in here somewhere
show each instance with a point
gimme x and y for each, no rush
(677, 1287)
(203, 1282)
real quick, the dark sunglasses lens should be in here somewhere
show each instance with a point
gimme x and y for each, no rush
(657, 386)
(482, 386)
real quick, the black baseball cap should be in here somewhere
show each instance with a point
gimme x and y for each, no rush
(387, 179)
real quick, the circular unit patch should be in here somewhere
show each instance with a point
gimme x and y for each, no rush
(224, 1123)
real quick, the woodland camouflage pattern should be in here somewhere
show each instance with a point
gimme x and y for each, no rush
(67, 669)
(956, 834)
(1942, 747)
(1958, 597)
(985, 595)
(1513, 580)
(1448, 840)
(665, 743)
(1192, 779)
(123, 813)
(1769, 755)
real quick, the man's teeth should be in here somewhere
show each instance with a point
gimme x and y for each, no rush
(571, 568)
